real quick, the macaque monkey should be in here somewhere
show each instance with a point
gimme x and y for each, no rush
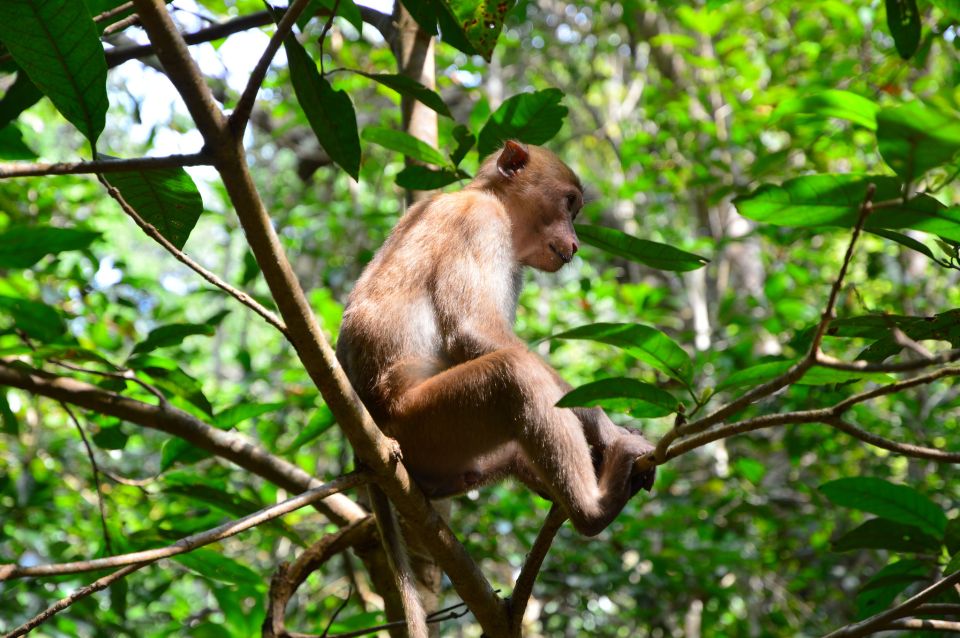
(427, 341)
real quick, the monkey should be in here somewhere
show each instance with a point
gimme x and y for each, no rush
(427, 341)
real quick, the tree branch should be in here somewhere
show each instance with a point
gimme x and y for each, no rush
(166, 418)
(523, 588)
(24, 169)
(192, 542)
(926, 624)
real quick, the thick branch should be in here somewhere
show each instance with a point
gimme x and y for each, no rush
(23, 169)
(314, 351)
(165, 418)
(192, 542)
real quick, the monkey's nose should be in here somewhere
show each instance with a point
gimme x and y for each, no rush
(574, 247)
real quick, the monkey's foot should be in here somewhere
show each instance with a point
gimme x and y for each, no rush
(396, 454)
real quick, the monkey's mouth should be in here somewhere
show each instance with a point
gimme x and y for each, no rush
(564, 258)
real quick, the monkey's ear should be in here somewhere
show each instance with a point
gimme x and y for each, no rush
(513, 157)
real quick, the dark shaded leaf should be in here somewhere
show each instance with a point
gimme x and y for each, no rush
(111, 438)
(346, 9)
(180, 452)
(57, 45)
(621, 394)
(904, 240)
(329, 112)
(881, 533)
(903, 20)
(831, 103)
(835, 200)
(8, 420)
(642, 342)
(421, 178)
(12, 146)
(24, 246)
(171, 335)
(649, 253)
(411, 88)
(533, 118)
(880, 591)
(465, 141)
(914, 138)
(21, 95)
(321, 421)
(167, 375)
(165, 197)
(230, 417)
(405, 143)
(899, 503)
(951, 538)
(215, 566)
(36, 319)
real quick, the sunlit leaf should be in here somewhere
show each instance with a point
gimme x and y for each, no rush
(649, 253)
(167, 198)
(622, 394)
(899, 503)
(422, 178)
(171, 335)
(533, 118)
(242, 411)
(405, 143)
(642, 342)
(321, 421)
(817, 375)
(831, 103)
(24, 246)
(914, 138)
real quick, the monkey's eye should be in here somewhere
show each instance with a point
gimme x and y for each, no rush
(571, 201)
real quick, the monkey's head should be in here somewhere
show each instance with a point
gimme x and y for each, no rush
(542, 196)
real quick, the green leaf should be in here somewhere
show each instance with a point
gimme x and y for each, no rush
(951, 538)
(214, 566)
(421, 178)
(914, 138)
(36, 319)
(904, 240)
(641, 342)
(8, 420)
(346, 9)
(329, 112)
(621, 394)
(831, 103)
(950, 7)
(405, 143)
(465, 141)
(424, 13)
(321, 421)
(172, 335)
(56, 43)
(903, 20)
(881, 533)
(879, 592)
(649, 253)
(479, 20)
(533, 118)
(242, 411)
(750, 469)
(411, 88)
(180, 452)
(12, 146)
(763, 372)
(835, 200)
(953, 565)
(167, 375)
(24, 246)
(111, 438)
(899, 503)
(21, 95)
(167, 198)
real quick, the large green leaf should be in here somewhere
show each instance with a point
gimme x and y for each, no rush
(903, 20)
(24, 246)
(480, 21)
(881, 533)
(329, 112)
(56, 44)
(167, 198)
(167, 376)
(242, 411)
(36, 319)
(880, 591)
(899, 503)
(835, 200)
(21, 95)
(216, 566)
(405, 143)
(172, 335)
(763, 372)
(913, 138)
(529, 117)
(411, 88)
(421, 178)
(643, 342)
(650, 253)
(831, 103)
(12, 146)
(621, 394)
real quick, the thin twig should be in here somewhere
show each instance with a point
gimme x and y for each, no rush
(158, 237)
(826, 361)
(326, 29)
(124, 375)
(336, 612)
(24, 169)
(96, 475)
(906, 449)
(523, 588)
(120, 25)
(192, 542)
(111, 13)
(241, 114)
(926, 624)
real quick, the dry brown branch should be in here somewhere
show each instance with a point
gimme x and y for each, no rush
(96, 478)
(180, 256)
(192, 542)
(318, 358)
(523, 588)
(228, 445)
(926, 624)
(25, 169)
(827, 361)
(882, 620)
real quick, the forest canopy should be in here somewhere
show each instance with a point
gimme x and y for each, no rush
(766, 286)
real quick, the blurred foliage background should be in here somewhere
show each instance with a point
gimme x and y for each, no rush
(674, 109)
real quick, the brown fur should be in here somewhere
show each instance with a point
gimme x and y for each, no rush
(427, 340)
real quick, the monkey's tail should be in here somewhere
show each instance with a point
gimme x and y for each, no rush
(399, 560)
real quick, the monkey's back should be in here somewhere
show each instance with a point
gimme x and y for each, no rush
(394, 317)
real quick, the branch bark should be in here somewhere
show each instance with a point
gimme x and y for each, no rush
(23, 169)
